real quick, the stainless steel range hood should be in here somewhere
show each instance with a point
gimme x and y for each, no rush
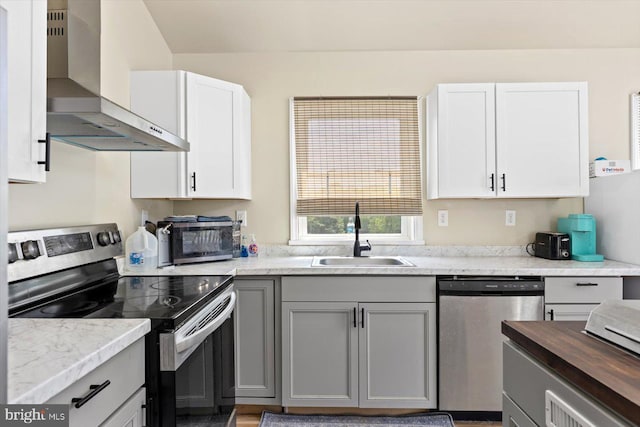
(76, 113)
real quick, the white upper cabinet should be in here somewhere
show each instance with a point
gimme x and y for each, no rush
(510, 140)
(27, 88)
(214, 116)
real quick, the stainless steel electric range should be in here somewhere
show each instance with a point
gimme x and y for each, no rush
(72, 273)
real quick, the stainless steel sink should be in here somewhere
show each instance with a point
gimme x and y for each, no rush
(347, 261)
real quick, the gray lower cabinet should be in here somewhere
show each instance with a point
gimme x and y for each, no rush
(256, 342)
(320, 354)
(121, 379)
(561, 312)
(573, 298)
(535, 396)
(513, 416)
(395, 354)
(368, 348)
(131, 413)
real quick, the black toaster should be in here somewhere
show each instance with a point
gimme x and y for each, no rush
(551, 245)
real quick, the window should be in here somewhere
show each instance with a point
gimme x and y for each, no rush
(348, 150)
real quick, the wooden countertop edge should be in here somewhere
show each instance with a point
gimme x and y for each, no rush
(580, 379)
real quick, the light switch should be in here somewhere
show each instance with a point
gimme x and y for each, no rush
(510, 218)
(443, 218)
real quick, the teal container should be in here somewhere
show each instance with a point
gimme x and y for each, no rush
(582, 230)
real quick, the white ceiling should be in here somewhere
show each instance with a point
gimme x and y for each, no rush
(213, 26)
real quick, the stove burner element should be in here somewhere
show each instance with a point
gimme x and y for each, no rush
(66, 309)
(178, 283)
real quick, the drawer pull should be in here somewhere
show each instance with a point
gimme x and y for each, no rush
(95, 389)
(551, 314)
(586, 284)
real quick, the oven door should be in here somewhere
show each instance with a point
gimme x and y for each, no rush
(197, 368)
(201, 241)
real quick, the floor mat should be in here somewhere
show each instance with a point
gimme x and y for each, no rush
(433, 419)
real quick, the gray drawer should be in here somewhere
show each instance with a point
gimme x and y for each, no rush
(581, 290)
(525, 381)
(359, 288)
(125, 371)
(513, 416)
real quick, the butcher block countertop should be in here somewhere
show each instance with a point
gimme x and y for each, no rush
(607, 373)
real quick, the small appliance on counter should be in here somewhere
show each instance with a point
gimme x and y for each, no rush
(582, 230)
(552, 245)
(617, 322)
(190, 238)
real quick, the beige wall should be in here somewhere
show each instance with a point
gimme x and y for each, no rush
(271, 78)
(85, 187)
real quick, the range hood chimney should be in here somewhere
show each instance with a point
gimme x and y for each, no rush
(76, 113)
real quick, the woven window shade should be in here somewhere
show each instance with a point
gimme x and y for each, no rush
(352, 150)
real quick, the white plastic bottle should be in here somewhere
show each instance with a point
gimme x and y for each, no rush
(141, 251)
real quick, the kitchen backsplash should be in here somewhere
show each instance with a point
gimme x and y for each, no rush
(403, 250)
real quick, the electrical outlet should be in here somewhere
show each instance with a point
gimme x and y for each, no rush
(443, 218)
(144, 217)
(510, 218)
(242, 216)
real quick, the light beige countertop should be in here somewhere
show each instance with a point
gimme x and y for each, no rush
(48, 355)
(424, 266)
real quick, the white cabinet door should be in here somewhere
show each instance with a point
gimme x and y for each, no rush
(542, 139)
(508, 140)
(397, 347)
(27, 91)
(462, 140)
(130, 414)
(214, 116)
(210, 130)
(319, 354)
(159, 96)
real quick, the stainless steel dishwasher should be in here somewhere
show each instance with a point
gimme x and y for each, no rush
(471, 310)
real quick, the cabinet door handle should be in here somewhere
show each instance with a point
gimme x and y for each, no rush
(586, 284)
(504, 182)
(362, 311)
(47, 152)
(193, 177)
(493, 178)
(94, 390)
(550, 312)
(355, 318)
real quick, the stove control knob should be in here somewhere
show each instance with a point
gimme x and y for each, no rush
(13, 253)
(116, 237)
(104, 239)
(30, 249)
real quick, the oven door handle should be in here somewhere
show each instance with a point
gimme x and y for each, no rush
(183, 343)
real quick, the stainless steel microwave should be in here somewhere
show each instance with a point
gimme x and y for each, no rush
(189, 242)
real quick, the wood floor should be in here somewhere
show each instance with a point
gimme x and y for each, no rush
(252, 420)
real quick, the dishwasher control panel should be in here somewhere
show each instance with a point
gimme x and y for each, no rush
(491, 285)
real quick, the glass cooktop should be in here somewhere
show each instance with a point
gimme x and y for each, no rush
(153, 297)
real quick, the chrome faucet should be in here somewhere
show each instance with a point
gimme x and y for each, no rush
(357, 248)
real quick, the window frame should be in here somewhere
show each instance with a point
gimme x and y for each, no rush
(411, 226)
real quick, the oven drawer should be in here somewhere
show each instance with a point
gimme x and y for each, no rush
(125, 371)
